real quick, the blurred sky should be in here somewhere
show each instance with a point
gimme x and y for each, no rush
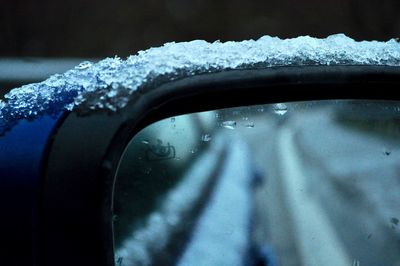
(96, 29)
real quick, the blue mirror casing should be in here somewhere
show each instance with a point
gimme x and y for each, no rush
(22, 153)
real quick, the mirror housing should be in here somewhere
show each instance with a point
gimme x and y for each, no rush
(74, 191)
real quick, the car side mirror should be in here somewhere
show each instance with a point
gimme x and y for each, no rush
(68, 164)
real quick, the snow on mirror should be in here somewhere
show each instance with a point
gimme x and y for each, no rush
(113, 82)
(305, 183)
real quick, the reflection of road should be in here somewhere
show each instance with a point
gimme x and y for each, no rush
(355, 177)
(332, 192)
(274, 224)
(316, 238)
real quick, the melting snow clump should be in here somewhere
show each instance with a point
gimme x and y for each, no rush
(111, 83)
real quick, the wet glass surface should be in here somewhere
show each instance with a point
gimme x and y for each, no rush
(304, 183)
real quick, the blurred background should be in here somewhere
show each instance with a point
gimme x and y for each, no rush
(32, 32)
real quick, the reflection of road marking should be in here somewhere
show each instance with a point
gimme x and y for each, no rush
(221, 234)
(317, 241)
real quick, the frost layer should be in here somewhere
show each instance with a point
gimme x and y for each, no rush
(111, 83)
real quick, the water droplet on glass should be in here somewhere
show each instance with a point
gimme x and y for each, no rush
(84, 65)
(147, 171)
(172, 219)
(229, 124)
(387, 152)
(249, 125)
(280, 108)
(193, 151)
(236, 112)
(115, 217)
(206, 137)
(260, 109)
(173, 120)
(107, 165)
(394, 221)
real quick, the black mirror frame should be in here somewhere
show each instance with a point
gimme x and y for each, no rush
(75, 203)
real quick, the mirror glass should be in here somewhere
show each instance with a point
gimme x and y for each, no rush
(302, 183)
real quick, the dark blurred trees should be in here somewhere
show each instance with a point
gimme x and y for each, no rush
(101, 28)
